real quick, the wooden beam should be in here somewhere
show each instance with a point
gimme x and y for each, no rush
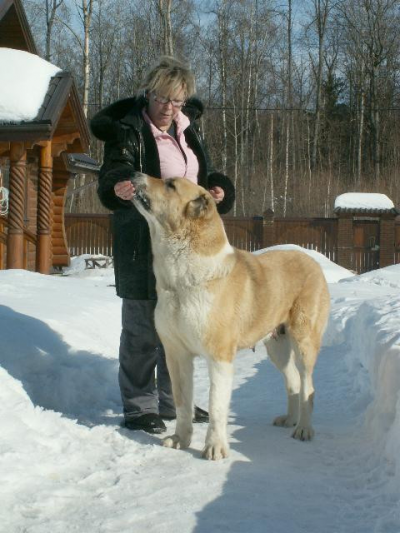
(68, 138)
(58, 148)
(4, 148)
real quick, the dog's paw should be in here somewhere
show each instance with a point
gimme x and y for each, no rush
(174, 441)
(215, 452)
(285, 421)
(303, 433)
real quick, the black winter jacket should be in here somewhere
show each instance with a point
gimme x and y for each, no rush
(130, 147)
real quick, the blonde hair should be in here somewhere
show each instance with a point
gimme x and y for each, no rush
(167, 77)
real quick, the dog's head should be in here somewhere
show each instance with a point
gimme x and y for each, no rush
(174, 203)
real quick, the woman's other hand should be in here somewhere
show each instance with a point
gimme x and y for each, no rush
(124, 190)
(217, 193)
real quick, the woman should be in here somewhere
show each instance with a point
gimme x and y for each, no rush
(156, 133)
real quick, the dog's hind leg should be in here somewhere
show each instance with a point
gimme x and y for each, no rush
(306, 352)
(180, 368)
(280, 350)
(221, 376)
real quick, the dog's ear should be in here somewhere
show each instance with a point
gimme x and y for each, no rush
(198, 207)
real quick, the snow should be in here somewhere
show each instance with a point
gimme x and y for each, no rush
(333, 272)
(363, 200)
(66, 464)
(24, 81)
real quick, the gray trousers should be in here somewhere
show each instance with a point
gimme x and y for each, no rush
(140, 351)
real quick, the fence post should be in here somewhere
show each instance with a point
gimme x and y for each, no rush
(345, 243)
(268, 229)
(386, 250)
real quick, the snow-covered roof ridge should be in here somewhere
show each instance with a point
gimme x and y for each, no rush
(24, 82)
(364, 201)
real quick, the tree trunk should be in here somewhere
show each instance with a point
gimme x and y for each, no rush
(360, 127)
(321, 9)
(164, 9)
(223, 52)
(271, 162)
(288, 105)
(51, 8)
(87, 10)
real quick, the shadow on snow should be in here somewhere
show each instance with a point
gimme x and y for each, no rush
(79, 384)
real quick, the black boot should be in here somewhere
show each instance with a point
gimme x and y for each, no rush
(200, 416)
(150, 422)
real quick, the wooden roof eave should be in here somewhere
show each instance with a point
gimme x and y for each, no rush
(25, 132)
(80, 118)
(44, 126)
(365, 211)
(53, 108)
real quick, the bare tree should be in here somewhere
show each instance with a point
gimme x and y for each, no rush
(321, 10)
(373, 32)
(85, 9)
(293, 118)
(289, 103)
(223, 36)
(51, 9)
(164, 9)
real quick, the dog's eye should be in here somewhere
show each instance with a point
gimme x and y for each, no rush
(170, 185)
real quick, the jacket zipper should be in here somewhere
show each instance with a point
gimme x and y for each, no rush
(140, 151)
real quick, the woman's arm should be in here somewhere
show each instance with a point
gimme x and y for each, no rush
(216, 180)
(220, 186)
(117, 169)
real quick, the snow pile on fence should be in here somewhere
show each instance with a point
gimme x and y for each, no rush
(363, 200)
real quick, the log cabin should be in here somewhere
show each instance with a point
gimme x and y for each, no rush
(35, 161)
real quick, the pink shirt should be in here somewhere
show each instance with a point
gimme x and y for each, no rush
(172, 160)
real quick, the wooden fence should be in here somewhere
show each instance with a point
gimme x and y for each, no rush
(91, 234)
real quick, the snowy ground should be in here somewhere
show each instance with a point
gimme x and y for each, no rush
(67, 466)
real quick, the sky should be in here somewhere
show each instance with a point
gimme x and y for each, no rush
(67, 465)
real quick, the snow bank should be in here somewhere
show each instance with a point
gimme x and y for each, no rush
(333, 273)
(78, 269)
(24, 81)
(365, 317)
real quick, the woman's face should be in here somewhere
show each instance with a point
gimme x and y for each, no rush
(162, 108)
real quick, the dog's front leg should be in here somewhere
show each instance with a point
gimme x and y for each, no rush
(180, 369)
(221, 375)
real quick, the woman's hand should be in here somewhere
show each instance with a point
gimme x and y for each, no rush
(218, 194)
(124, 190)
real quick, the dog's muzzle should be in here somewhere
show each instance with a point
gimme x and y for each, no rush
(139, 182)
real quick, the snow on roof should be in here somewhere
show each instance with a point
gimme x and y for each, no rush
(363, 200)
(24, 81)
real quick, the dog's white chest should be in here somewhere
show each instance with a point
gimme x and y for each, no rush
(185, 313)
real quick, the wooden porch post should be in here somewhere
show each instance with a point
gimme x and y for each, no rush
(43, 249)
(268, 229)
(345, 244)
(387, 240)
(15, 240)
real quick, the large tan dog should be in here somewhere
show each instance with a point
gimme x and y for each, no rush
(214, 299)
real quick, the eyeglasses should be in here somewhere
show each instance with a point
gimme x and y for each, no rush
(164, 101)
